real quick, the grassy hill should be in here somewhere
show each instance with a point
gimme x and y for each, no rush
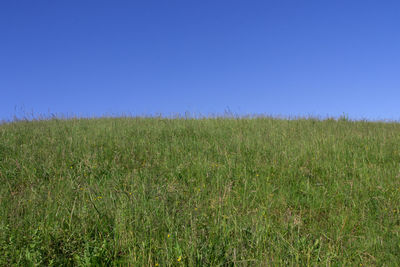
(199, 192)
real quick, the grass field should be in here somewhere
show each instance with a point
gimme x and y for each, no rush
(199, 192)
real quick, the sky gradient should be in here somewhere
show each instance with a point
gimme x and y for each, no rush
(287, 58)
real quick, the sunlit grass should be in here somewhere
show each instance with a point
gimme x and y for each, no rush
(199, 192)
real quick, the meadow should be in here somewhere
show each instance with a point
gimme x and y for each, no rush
(199, 192)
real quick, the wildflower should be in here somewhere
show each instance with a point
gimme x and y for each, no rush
(195, 208)
(157, 264)
(179, 259)
(168, 235)
(257, 175)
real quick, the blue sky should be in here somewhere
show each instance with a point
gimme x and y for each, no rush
(288, 58)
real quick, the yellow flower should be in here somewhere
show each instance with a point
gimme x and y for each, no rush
(168, 235)
(157, 264)
(180, 258)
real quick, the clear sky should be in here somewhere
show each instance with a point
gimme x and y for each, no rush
(277, 57)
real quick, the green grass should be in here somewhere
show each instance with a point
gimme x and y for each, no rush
(199, 192)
